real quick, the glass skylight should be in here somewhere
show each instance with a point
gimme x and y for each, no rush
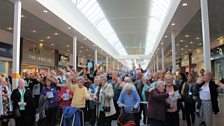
(94, 13)
(157, 14)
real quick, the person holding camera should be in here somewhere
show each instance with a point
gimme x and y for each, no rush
(106, 107)
(129, 100)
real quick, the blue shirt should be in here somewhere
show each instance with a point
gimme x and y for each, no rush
(129, 101)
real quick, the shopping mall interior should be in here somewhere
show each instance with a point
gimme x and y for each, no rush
(169, 35)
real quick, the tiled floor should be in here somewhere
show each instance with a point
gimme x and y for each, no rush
(218, 119)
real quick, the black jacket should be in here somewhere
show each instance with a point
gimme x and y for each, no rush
(214, 95)
(27, 98)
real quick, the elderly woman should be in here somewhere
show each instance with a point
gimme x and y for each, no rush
(172, 116)
(157, 104)
(80, 94)
(106, 107)
(5, 102)
(49, 94)
(130, 101)
(22, 103)
(208, 95)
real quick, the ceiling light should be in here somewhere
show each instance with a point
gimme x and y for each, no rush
(191, 42)
(67, 46)
(22, 16)
(55, 33)
(199, 44)
(81, 46)
(80, 51)
(189, 49)
(181, 40)
(69, 28)
(182, 48)
(45, 11)
(184, 4)
(173, 24)
(52, 44)
(48, 37)
(161, 43)
(94, 45)
(68, 50)
(177, 44)
(197, 38)
(165, 36)
(41, 44)
(9, 28)
(34, 31)
(187, 36)
(41, 40)
(87, 50)
(186, 46)
(84, 38)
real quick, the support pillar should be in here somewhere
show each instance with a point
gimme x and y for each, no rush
(162, 58)
(75, 53)
(173, 52)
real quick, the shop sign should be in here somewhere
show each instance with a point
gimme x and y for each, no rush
(33, 53)
(217, 52)
(5, 50)
(63, 58)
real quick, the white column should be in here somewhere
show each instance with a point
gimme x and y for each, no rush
(162, 58)
(106, 64)
(157, 62)
(205, 34)
(96, 57)
(16, 43)
(173, 51)
(154, 65)
(113, 64)
(75, 52)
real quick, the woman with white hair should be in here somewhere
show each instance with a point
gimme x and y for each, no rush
(22, 104)
(106, 109)
(5, 102)
(130, 101)
(157, 104)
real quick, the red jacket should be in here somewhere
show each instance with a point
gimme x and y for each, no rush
(62, 102)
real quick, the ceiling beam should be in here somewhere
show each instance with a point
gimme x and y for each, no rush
(132, 57)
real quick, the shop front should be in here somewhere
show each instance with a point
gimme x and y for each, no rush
(217, 57)
(5, 58)
(37, 58)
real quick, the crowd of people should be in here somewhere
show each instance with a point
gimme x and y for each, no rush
(128, 97)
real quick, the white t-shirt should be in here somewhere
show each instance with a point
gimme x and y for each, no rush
(205, 92)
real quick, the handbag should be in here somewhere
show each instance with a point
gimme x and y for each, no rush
(16, 113)
(106, 108)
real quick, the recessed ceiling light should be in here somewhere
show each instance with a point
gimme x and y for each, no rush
(173, 24)
(199, 44)
(186, 46)
(94, 45)
(48, 37)
(55, 33)
(80, 51)
(189, 49)
(84, 38)
(34, 31)
(81, 46)
(182, 48)
(184, 4)
(197, 38)
(68, 50)
(68, 46)
(177, 44)
(22, 16)
(191, 42)
(165, 36)
(69, 28)
(41, 40)
(181, 40)
(187, 36)
(45, 11)
(9, 28)
(52, 44)
(161, 43)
